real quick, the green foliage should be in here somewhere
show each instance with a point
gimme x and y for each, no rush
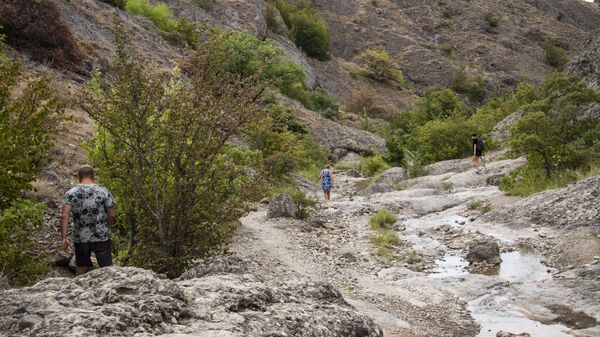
(395, 154)
(28, 118)
(448, 50)
(372, 166)
(310, 34)
(117, 3)
(383, 219)
(556, 135)
(18, 260)
(381, 67)
(443, 139)
(472, 86)
(249, 55)
(555, 55)
(493, 19)
(273, 22)
(180, 192)
(159, 14)
(29, 115)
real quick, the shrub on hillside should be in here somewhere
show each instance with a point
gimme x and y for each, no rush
(361, 101)
(395, 154)
(472, 86)
(35, 27)
(444, 139)
(383, 219)
(310, 34)
(555, 55)
(381, 67)
(200, 187)
(29, 116)
(493, 19)
(372, 166)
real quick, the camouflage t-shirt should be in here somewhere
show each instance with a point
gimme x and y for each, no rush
(88, 203)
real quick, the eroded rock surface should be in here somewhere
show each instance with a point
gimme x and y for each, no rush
(216, 297)
(484, 251)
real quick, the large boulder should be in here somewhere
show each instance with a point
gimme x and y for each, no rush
(587, 65)
(283, 206)
(387, 181)
(216, 297)
(484, 250)
(577, 205)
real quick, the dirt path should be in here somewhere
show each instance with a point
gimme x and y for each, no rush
(425, 290)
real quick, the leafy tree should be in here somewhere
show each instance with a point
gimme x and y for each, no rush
(381, 67)
(310, 33)
(395, 154)
(472, 86)
(164, 147)
(29, 115)
(443, 139)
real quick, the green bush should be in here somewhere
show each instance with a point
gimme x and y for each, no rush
(372, 166)
(472, 86)
(310, 34)
(444, 139)
(381, 67)
(448, 50)
(19, 261)
(159, 14)
(395, 154)
(383, 219)
(273, 22)
(493, 19)
(555, 55)
(180, 192)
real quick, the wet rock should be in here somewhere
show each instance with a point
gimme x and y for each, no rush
(29, 321)
(484, 250)
(508, 334)
(283, 207)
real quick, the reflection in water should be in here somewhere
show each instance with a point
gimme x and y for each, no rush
(449, 266)
(518, 266)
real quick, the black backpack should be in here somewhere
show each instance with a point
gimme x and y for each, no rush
(480, 144)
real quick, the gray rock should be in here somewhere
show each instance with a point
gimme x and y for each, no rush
(577, 205)
(508, 334)
(217, 297)
(387, 181)
(587, 65)
(347, 256)
(283, 207)
(4, 284)
(483, 250)
(501, 132)
(29, 321)
(495, 179)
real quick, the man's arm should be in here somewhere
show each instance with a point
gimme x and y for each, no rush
(64, 223)
(111, 216)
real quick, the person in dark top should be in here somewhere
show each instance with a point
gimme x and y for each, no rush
(477, 151)
(326, 178)
(93, 209)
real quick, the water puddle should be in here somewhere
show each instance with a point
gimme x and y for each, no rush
(449, 266)
(494, 313)
(520, 266)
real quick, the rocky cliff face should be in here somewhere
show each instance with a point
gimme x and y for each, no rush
(587, 65)
(218, 297)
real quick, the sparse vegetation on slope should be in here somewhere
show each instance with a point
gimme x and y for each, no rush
(555, 55)
(380, 66)
(385, 237)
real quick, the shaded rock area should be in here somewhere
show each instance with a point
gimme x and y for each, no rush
(577, 205)
(484, 250)
(587, 65)
(283, 206)
(224, 300)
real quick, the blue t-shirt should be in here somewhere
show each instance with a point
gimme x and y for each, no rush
(88, 206)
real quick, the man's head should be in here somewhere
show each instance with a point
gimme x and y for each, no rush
(86, 172)
(474, 135)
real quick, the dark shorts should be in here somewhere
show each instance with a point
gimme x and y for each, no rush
(102, 251)
(478, 153)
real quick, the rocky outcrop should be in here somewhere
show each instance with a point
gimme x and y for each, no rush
(576, 205)
(387, 181)
(283, 206)
(501, 132)
(484, 250)
(216, 297)
(587, 65)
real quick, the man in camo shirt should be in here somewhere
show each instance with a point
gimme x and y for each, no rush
(93, 209)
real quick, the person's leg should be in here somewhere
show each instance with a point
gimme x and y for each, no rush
(328, 194)
(103, 252)
(83, 261)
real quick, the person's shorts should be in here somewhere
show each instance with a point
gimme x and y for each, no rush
(102, 251)
(478, 153)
